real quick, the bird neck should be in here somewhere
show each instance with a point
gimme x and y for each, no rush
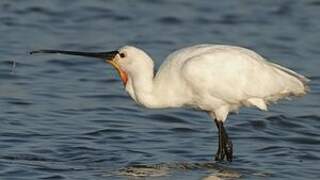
(140, 87)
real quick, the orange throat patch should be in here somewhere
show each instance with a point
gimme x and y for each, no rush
(123, 75)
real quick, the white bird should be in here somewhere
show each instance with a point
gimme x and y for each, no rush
(216, 79)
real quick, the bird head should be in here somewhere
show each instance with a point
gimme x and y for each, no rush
(132, 61)
(128, 60)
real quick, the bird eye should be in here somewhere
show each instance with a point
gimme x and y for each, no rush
(122, 55)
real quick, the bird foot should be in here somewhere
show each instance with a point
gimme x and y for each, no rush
(225, 152)
(219, 155)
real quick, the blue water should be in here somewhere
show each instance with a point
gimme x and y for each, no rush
(65, 117)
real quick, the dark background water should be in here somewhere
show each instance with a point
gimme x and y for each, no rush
(64, 117)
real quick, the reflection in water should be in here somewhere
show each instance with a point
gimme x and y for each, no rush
(215, 170)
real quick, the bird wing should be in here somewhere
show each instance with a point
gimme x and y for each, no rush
(236, 76)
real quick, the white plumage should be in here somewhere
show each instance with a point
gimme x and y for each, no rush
(213, 78)
(217, 79)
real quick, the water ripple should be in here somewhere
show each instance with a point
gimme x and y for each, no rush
(170, 21)
(167, 118)
(105, 132)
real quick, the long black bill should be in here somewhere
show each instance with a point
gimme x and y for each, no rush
(103, 55)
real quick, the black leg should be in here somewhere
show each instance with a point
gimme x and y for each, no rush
(225, 145)
(220, 153)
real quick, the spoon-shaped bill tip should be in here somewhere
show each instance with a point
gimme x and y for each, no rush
(41, 51)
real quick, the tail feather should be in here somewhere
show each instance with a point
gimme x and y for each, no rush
(303, 80)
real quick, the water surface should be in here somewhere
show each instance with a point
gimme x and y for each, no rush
(65, 117)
